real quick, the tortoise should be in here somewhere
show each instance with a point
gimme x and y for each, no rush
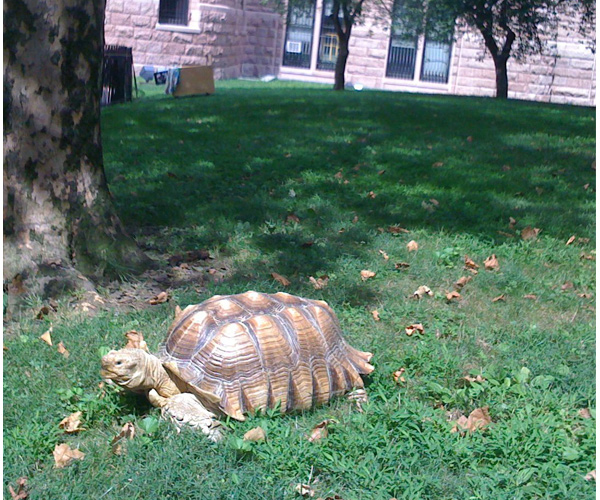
(237, 354)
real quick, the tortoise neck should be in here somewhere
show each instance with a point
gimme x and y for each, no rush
(160, 378)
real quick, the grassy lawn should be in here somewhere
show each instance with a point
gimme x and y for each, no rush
(301, 181)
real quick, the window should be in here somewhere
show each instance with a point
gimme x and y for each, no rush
(329, 45)
(299, 34)
(404, 52)
(173, 12)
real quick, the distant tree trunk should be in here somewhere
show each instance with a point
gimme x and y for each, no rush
(60, 227)
(500, 63)
(343, 28)
(340, 63)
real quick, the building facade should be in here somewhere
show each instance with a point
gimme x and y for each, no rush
(245, 38)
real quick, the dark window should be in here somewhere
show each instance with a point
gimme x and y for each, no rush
(173, 12)
(403, 46)
(328, 41)
(298, 37)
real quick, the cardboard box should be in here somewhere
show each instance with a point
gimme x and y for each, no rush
(195, 80)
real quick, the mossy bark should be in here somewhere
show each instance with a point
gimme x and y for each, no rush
(60, 227)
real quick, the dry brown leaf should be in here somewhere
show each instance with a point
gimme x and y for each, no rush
(305, 490)
(292, 218)
(127, 432)
(64, 455)
(478, 378)
(71, 423)
(499, 298)
(384, 255)
(401, 265)
(47, 336)
(398, 376)
(135, 339)
(21, 493)
(567, 285)
(375, 314)
(585, 256)
(414, 328)
(62, 349)
(438, 164)
(421, 291)
(320, 431)
(491, 263)
(365, 274)
(412, 246)
(570, 240)
(585, 295)
(591, 476)
(452, 295)
(512, 222)
(281, 279)
(397, 230)
(530, 233)
(461, 282)
(339, 175)
(161, 298)
(478, 419)
(372, 195)
(470, 265)
(319, 283)
(530, 296)
(585, 413)
(256, 434)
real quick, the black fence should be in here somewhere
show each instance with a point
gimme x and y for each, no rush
(117, 75)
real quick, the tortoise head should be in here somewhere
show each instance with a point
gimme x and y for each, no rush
(128, 368)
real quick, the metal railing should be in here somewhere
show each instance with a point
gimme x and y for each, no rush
(117, 75)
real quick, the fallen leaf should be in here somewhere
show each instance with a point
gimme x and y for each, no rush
(530, 296)
(21, 493)
(135, 340)
(499, 298)
(71, 423)
(470, 265)
(478, 419)
(539, 191)
(591, 476)
(585, 295)
(398, 376)
(64, 455)
(47, 336)
(372, 195)
(511, 222)
(478, 378)
(506, 168)
(375, 314)
(414, 328)
(355, 219)
(438, 164)
(428, 206)
(422, 290)
(530, 233)
(570, 240)
(292, 218)
(127, 432)
(281, 279)
(585, 256)
(381, 172)
(470, 138)
(161, 298)
(256, 434)
(434, 202)
(397, 230)
(586, 186)
(305, 490)
(44, 311)
(567, 286)
(585, 413)
(491, 263)
(412, 246)
(401, 265)
(320, 431)
(384, 255)
(365, 274)
(461, 282)
(62, 350)
(452, 295)
(319, 283)
(339, 175)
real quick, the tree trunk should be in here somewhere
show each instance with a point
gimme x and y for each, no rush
(500, 64)
(59, 221)
(340, 64)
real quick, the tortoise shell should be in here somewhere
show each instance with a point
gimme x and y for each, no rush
(241, 353)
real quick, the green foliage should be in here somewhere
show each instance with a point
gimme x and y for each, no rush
(250, 156)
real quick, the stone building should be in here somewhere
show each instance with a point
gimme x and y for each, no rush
(245, 38)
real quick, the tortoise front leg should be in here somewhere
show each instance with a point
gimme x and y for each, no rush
(185, 409)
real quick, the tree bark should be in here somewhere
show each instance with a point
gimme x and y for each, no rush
(59, 220)
(500, 63)
(340, 63)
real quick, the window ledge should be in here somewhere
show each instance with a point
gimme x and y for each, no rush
(179, 28)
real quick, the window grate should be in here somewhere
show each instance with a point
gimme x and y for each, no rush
(173, 12)
(298, 37)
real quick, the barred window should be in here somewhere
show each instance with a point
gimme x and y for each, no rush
(173, 12)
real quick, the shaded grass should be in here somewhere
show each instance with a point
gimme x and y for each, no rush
(225, 172)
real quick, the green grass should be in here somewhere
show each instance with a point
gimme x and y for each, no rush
(224, 173)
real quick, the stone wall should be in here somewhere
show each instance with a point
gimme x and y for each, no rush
(235, 37)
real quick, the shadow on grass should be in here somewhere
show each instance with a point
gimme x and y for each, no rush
(304, 177)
